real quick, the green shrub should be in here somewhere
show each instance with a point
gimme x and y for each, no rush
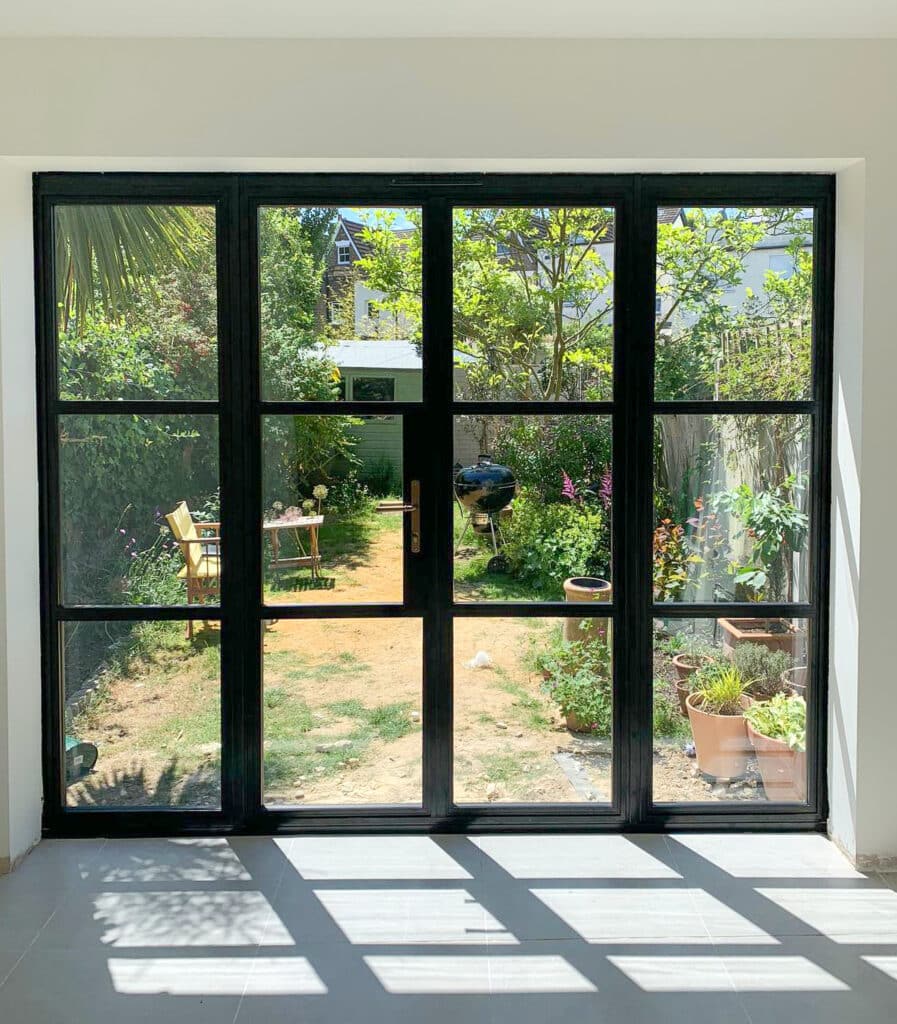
(541, 449)
(762, 668)
(578, 680)
(547, 543)
(784, 717)
(381, 477)
(668, 720)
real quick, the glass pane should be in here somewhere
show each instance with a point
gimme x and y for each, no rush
(142, 714)
(342, 711)
(733, 307)
(533, 304)
(730, 709)
(340, 303)
(136, 299)
(329, 535)
(534, 514)
(533, 710)
(731, 498)
(139, 509)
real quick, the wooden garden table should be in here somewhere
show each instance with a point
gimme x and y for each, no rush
(310, 557)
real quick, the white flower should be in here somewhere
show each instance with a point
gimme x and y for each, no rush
(320, 492)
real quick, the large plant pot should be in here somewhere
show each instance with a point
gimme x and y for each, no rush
(585, 590)
(722, 747)
(575, 724)
(773, 634)
(783, 770)
(684, 672)
(794, 680)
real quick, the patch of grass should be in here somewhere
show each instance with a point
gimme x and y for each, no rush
(288, 717)
(209, 659)
(474, 583)
(527, 708)
(512, 770)
(387, 721)
(351, 708)
(391, 721)
(286, 761)
(669, 723)
(185, 733)
(275, 696)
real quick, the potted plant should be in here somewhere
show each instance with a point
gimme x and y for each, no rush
(777, 729)
(693, 655)
(577, 678)
(777, 530)
(794, 680)
(716, 715)
(772, 633)
(763, 667)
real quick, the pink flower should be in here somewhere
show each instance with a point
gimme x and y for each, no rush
(567, 489)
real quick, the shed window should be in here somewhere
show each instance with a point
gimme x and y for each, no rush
(374, 389)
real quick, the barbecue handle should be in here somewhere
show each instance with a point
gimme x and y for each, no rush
(414, 508)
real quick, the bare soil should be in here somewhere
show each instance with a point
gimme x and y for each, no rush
(510, 743)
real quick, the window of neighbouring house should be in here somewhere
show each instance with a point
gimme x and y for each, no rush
(373, 389)
(343, 254)
(781, 264)
(373, 311)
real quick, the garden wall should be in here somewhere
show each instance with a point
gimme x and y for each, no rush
(628, 105)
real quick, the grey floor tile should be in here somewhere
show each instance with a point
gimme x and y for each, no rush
(77, 987)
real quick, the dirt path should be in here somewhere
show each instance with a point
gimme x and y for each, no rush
(343, 714)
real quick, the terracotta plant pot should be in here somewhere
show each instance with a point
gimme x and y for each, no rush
(721, 741)
(582, 590)
(773, 634)
(783, 770)
(684, 672)
(575, 724)
(794, 680)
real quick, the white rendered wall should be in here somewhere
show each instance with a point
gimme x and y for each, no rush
(460, 105)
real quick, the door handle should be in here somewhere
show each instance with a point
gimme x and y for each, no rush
(413, 507)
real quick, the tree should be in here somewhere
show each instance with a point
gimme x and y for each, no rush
(106, 254)
(532, 300)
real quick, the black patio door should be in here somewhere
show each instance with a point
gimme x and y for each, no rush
(404, 502)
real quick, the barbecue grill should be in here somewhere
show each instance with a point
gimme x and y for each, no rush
(483, 492)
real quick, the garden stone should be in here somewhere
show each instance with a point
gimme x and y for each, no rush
(326, 748)
(501, 725)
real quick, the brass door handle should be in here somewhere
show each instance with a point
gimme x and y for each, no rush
(413, 507)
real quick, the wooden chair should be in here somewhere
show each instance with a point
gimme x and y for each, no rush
(200, 544)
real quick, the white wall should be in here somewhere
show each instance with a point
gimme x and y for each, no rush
(455, 104)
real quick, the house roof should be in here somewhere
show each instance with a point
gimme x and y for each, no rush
(355, 230)
(355, 354)
(375, 355)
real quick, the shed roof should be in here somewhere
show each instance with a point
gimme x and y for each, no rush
(357, 354)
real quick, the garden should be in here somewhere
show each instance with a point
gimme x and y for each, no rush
(342, 698)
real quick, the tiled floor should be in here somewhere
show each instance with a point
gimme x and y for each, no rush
(701, 929)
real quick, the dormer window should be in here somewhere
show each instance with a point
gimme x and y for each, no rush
(343, 255)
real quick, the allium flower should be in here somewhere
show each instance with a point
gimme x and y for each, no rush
(278, 506)
(308, 505)
(320, 492)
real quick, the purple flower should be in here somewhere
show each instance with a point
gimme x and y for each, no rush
(567, 489)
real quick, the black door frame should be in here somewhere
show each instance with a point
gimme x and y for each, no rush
(428, 433)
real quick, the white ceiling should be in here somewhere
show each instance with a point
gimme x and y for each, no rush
(451, 18)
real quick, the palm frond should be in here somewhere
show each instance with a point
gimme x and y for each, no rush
(107, 255)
